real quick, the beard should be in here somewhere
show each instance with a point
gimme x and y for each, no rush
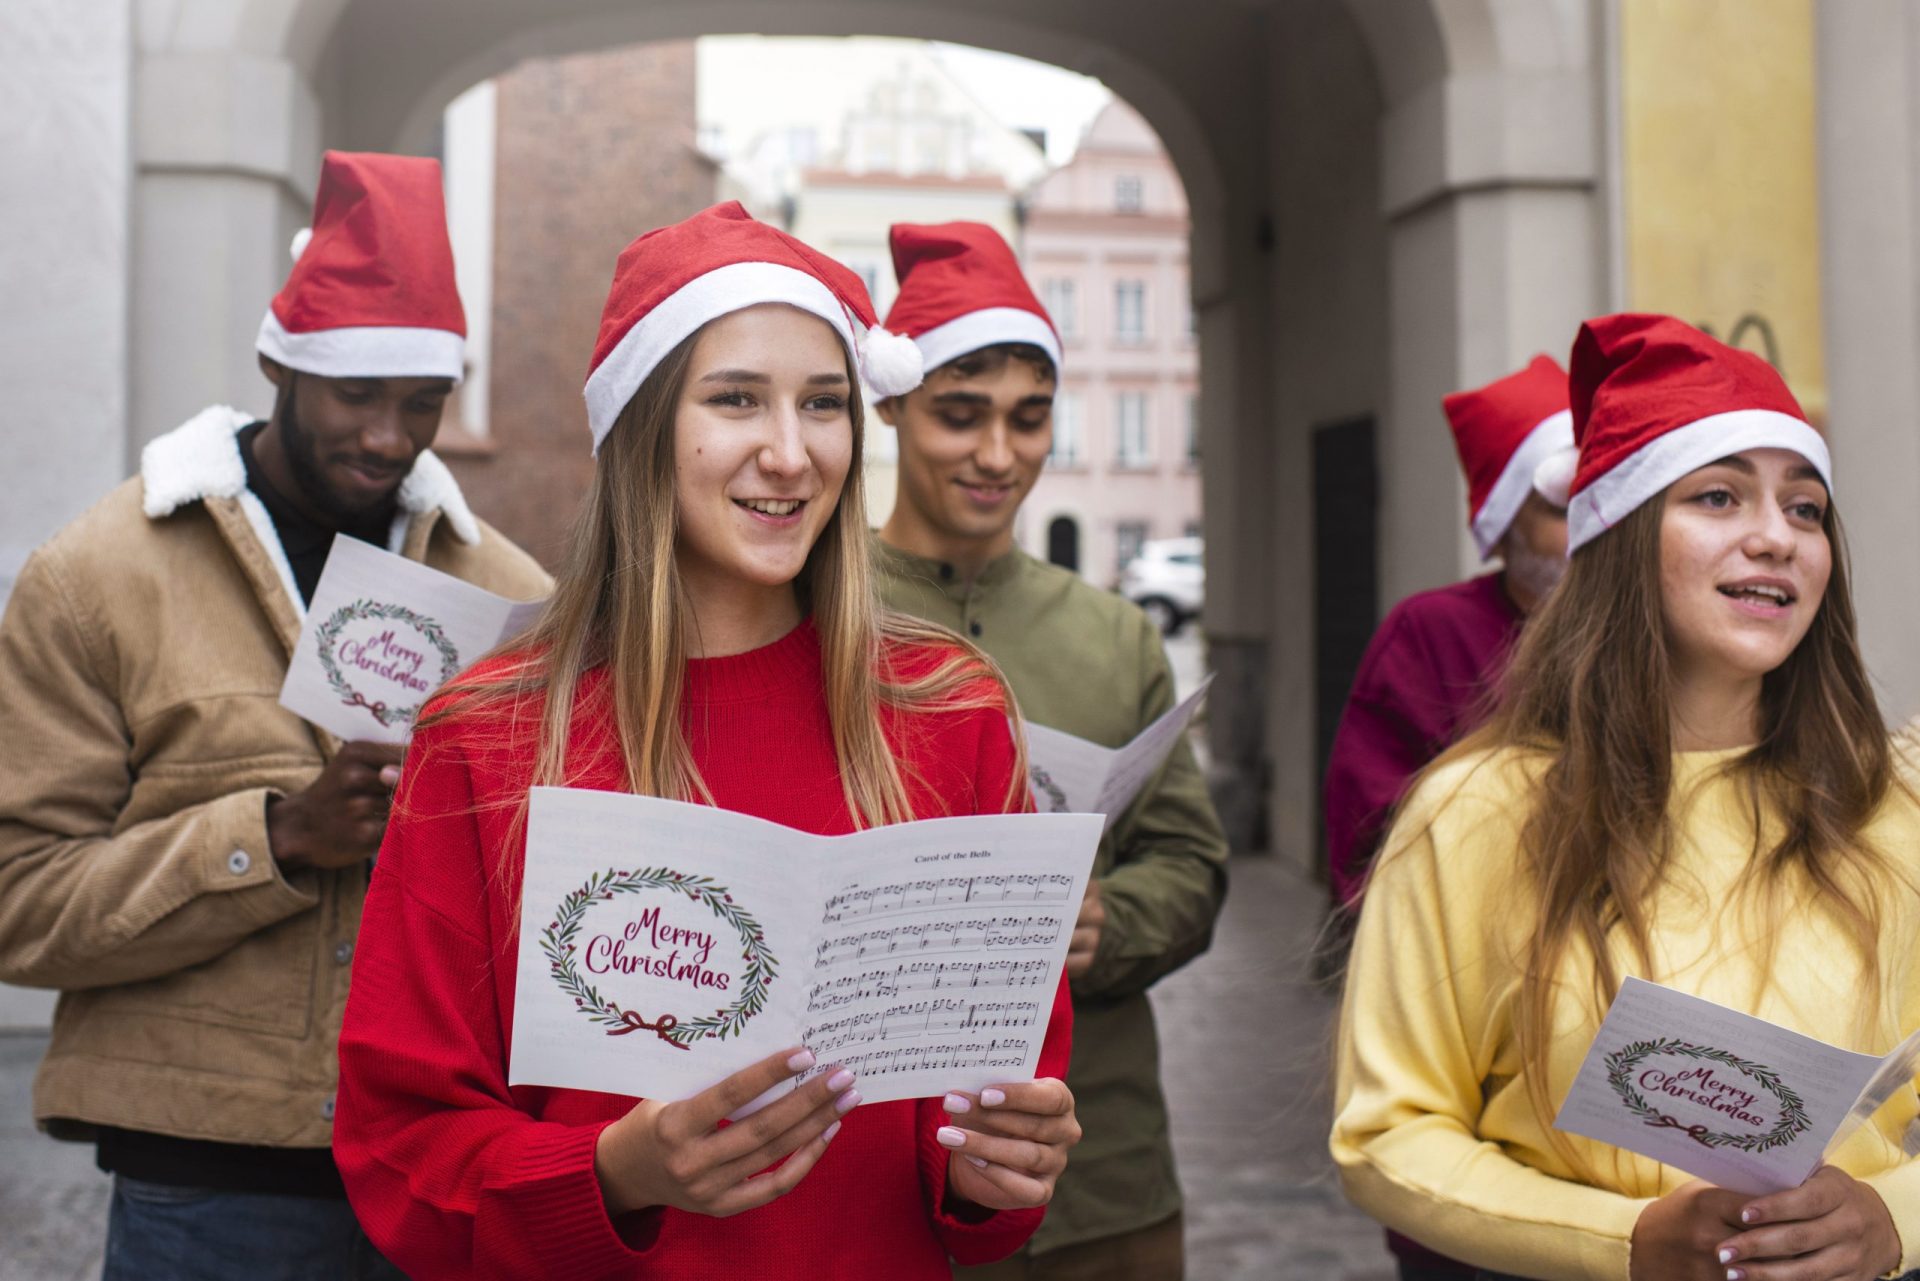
(1535, 573)
(303, 459)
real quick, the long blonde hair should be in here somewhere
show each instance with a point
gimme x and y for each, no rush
(619, 602)
(1587, 693)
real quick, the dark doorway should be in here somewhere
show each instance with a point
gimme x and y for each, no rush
(1345, 576)
(1063, 542)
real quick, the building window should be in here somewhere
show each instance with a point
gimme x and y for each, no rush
(1069, 431)
(1057, 295)
(1126, 193)
(1193, 430)
(1128, 537)
(1130, 311)
(1195, 529)
(1130, 429)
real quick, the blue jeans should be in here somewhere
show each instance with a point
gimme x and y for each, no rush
(161, 1233)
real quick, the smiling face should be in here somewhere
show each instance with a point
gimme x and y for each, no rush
(973, 439)
(1744, 563)
(762, 443)
(339, 447)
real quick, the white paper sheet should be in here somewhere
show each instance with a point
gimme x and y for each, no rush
(382, 633)
(665, 946)
(1738, 1101)
(1072, 776)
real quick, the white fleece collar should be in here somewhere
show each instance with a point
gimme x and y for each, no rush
(200, 459)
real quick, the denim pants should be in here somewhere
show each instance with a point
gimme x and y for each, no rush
(161, 1233)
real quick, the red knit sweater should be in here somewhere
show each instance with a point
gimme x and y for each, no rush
(453, 1174)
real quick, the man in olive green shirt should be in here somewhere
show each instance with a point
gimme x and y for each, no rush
(973, 439)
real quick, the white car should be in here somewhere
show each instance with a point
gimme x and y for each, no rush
(1168, 580)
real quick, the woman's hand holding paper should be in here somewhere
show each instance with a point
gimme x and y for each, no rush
(678, 1155)
(1831, 1228)
(1009, 1143)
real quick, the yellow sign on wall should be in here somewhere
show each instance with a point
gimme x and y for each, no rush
(1720, 180)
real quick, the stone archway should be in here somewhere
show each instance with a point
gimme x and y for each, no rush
(1390, 198)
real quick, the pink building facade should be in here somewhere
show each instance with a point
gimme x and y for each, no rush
(1105, 246)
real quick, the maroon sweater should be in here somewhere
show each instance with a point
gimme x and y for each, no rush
(1424, 683)
(454, 1174)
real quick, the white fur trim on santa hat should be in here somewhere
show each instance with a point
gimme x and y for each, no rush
(1509, 493)
(366, 351)
(891, 364)
(705, 298)
(988, 327)
(200, 459)
(1667, 458)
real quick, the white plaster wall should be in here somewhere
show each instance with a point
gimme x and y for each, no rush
(1868, 81)
(468, 167)
(64, 161)
(65, 157)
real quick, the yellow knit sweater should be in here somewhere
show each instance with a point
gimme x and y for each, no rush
(1433, 1130)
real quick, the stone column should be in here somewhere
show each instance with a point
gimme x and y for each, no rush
(1868, 79)
(227, 148)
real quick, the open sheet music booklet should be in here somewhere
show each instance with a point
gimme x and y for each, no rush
(1741, 1102)
(665, 946)
(382, 633)
(1072, 776)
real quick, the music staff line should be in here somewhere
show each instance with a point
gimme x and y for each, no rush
(947, 893)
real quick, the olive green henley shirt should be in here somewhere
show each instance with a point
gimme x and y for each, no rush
(1088, 662)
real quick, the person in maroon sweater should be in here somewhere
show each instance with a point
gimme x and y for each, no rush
(1430, 670)
(714, 637)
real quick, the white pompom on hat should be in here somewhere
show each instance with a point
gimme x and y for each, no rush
(371, 293)
(671, 281)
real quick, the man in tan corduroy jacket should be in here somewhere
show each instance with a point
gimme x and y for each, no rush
(181, 857)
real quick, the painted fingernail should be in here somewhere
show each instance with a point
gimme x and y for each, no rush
(1726, 1255)
(976, 1160)
(950, 1136)
(956, 1104)
(840, 1080)
(847, 1102)
(826, 1135)
(801, 1061)
(1749, 1216)
(992, 1098)
(1735, 1274)
(390, 775)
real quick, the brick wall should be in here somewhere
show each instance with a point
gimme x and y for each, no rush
(592, 150)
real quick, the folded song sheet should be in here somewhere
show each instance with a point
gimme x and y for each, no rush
(382, 633)
(1742, 1103)
(665, 946)
(1072, 776)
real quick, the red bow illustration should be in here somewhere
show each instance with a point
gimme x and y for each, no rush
(634, 1023)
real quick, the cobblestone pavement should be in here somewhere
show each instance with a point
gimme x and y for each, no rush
(1244, 1037)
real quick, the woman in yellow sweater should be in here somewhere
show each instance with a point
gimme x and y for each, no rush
(1688, 780)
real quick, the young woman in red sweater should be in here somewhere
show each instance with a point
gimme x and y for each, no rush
(713, 638)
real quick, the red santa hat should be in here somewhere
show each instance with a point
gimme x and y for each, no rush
(372, 293)
(1653, 399)
(1503, 432)
(673, 280)
(961, 289)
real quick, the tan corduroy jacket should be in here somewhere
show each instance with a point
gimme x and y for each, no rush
(141, 657)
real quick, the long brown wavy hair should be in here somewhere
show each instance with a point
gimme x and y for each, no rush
(620, 602)
(1587, 696)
